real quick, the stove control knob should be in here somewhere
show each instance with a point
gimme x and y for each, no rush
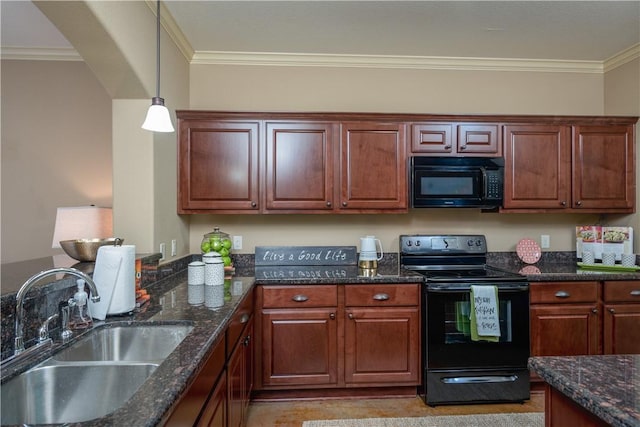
(469, 242)
(408, 242)
(417, 242)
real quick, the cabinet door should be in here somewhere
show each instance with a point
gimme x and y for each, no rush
(537, 167)
(299, 169)
(214, 413)
(373, 167)
(479, 139)
(299, 347)
(218, 166)
(240, 378)
(603, 172)
(622, 329)
(433, 138)
(565, 330)
(382, 346)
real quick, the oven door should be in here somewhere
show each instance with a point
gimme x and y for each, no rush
(449, 343)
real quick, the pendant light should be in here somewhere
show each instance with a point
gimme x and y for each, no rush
(158, 119)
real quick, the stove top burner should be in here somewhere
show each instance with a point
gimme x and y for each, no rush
(451, 258)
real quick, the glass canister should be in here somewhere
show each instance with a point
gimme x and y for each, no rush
(217, 241)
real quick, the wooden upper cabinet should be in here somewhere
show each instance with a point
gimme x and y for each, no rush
(603, 175)
(537, 166)
(373, 167)
(218, 166)
(299, 166)
(456, 139)
(571, 168)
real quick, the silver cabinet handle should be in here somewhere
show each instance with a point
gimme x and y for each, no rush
(332, 316)
(381, 297)
(244, 318)
(635, 293)
(563, 294)
(594, 310)
(579, 203)
(612, 311)
(328, 204)
(350, 315)
(300, 298)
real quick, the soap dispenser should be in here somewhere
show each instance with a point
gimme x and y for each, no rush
(80, 316)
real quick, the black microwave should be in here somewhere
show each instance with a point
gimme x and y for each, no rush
(456, 182)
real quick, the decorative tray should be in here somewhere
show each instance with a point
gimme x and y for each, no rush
(608, 267)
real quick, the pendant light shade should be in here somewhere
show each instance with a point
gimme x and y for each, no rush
(158, 118)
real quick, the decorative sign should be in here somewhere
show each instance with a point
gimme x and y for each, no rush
(290, 272)
(305, 255)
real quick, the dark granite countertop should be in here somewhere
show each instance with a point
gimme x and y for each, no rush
(607, 386)
(168, 304)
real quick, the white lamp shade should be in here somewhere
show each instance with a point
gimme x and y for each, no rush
(82, 222)
(158, 119)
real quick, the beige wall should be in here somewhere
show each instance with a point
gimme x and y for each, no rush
(390, 90)
(56, 150)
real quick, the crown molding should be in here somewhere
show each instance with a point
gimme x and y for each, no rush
(622, 58)
(40, 54)
(388, 61)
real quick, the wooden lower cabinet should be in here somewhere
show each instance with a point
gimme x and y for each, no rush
(560, 411)
(381, 335)
(311, 340)
(621, 317)
(220, 393)
(240, 378)
(205, 401)
(565, 318)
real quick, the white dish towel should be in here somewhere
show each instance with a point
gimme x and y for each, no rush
(485, 305)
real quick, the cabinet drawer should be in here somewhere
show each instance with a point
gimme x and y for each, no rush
(623, 291)
(238, 322)
(382, 295)
(299, 296)
(564, 292)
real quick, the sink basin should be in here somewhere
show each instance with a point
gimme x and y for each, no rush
(127, 343)
(70, 393)
(91, 378)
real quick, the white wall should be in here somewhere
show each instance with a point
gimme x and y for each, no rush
(56, 150)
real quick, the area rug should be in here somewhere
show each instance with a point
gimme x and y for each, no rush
(526, 419)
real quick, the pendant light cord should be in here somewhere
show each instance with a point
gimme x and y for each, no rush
(158, 50)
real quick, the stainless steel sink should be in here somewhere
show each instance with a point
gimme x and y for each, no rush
(127, 343)
(70, 393)
(90, 379)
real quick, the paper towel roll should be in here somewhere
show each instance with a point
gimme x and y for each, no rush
(114, 276)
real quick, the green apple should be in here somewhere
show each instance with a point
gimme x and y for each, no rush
(216, 244)
(224, 252)
(226, 243)
(226, 260)
(205, 246)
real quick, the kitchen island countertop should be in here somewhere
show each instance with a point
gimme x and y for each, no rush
(605, 385)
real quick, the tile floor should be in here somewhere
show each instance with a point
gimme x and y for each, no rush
(293, 413)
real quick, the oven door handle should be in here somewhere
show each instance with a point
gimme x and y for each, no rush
(481, 379)
(466, 288)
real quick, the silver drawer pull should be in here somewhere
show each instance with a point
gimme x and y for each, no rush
(244, 318)
(300, 298)
(381, 297)
(635, 293)
(563, 294)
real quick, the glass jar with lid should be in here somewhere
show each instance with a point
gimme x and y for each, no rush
(217, 241)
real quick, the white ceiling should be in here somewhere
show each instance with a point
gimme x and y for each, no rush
(538, 30)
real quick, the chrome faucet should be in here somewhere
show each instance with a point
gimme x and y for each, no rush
(26, 286)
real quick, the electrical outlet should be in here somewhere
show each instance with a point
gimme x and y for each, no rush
(237, 242)
(174, 247)
(163, 250)
(545, 241)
